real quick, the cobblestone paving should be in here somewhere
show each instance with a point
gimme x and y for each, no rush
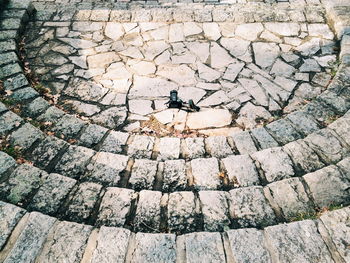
(249, 189)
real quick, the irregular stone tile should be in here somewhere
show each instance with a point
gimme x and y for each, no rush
(8, 122)
(251, 115)
(263, 138)
(111, 118)
(115, 206)
(51, 194)
(193, 148)
(152, 87)
(215, 210)
(206, 173)
(241, 170)
(219, 56)
(211, 31)
(281, 68)
(82, 202)
(337, 225)
(201, 50)
(265, 53)
(115, 142)
(291, 197)
(182, 212)
(114, 30)
(143, 68)
(250, 208)
(9, 217)
(302, 243)
(31, 239)
(74, 161)
(326, 146)
(283, 29)
(154, 248)
(102, 60)
(238, 48)
(282, 131)
(342, 128)
(328, 187)
(206, 73)
(182, 74)
(64, 235)
(169, 148)
(320, 30)
(112, 245)
(249, 31)
(217, 146)
(143, 174)
(154, 48)
(106, 167)
(141, 107)
(141, 147)
(191, 93)
(310, 65)
(276, 92)
(176, 32)
(244, 142)
(147, 216)
(204, 247)
(217, 98)
(209, 118)
(248, 245)
(233, 70)
(192, 28)
(275, 163)
(52, 114)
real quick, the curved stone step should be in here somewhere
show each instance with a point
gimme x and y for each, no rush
(30, 236)
(177, 212)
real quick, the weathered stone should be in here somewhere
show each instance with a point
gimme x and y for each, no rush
(204, 247)
(143, 174)
(151, 87)
(182, 212)
(83, 201)
(112, 117)
(206, 174)
(304, 158)
(275, 163)
(244, 142)
(248, 245)
(219, 56)
(50, 195)
(263, 138)
(217, 146)
(265, 53)
(249, 207)
(209, 118)
(249, 31)
(241, 171)
(182, 74)
(115, 142)
(6, 164)
(215, 210)
(9, 121)
(328, 187)
(206, 73)
(65, 235)
(9, 217)
(238, 48)
(115, 206)
(337, 225)
(92, 135)
(193, 148)
(106, 167)
(74, 161)
(112, 245)
(291, 197)
(326, 146)
(282, 131)
(68, 126)
(153, 248)
(169, 148)
(250, 115)
(174, 175)
(302, 243)
(283, 29)
(147, 216)
(31, 239)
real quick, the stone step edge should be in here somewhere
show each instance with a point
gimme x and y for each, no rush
(136, 203)
(92, 245)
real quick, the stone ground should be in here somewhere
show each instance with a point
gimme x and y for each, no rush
(95, 168)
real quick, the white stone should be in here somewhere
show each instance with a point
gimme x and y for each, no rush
(143, 68)
(320, 30)
(153, 48)
(151, 87)
(132, 52)
(265, 53)
(217, 98)
(238, 48)
(283, 29)
(249, 114)
(114, 30)
(191, 93)
(183, 75)
(142, 107)
(233, 70)
(209, 118)
(249, 31)
(219, 57)
(211, 31)
(102, 60)
(176, 33)
(192, 28)
(201, 50)
(166, 116)
(207, 73)
(255, 90)
(281, 68)
(117, 71)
